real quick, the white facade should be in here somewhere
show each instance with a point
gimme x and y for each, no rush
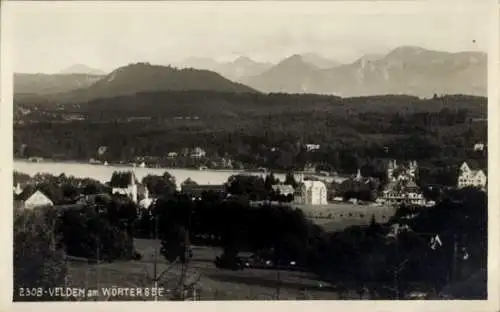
(469, 177)
(313, 193)
(38, 199)
(130, 190)
(17, 189)
(479, 147)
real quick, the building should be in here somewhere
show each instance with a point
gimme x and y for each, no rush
(403, 192)
(404, 172)
(198, 153)
(312, 147)
(196, 191)
(18, 189)
(283, 189)
(311, 193)
(125, 183)
(402, 188)
(471, 177)
(33, 198)
(479, 147)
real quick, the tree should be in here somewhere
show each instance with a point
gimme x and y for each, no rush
(189, 181)
(290, 180)
(38, 259)
(160, 185)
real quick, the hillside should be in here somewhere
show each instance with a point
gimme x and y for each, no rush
(143, 77)
(405, 70)
(47, 84)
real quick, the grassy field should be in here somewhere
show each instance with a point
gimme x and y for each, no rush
(213, 283)
(336, 217)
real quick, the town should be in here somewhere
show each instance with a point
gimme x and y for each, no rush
(254, 150)
(329, 204)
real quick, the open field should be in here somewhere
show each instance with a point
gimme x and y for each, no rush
(213, 283)
(338, 216)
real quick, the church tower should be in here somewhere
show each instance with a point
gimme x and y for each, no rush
(133, 188)
(390, 169)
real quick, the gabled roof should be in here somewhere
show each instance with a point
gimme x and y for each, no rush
(28, 192)
(476, 164)
(122, 179)
(411, 184)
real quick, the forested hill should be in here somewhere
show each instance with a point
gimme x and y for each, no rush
(258, 130)
(144, 77)
(205, 104)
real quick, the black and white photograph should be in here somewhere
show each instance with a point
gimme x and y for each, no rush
(249, 150)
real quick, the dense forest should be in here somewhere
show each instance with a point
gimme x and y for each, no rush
(256, 130)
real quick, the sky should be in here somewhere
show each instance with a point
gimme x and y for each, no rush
(49, 37)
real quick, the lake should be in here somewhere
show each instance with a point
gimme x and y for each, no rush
(103, 173)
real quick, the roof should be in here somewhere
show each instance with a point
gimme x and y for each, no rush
(309, 184)
(198, 190)
(412, 185)
(28, 192)
(476, 164)
(283, 188)
(122, 179)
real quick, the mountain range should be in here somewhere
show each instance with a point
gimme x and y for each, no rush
(404, 70)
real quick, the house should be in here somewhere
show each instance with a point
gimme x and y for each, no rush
(405, 172)
(283, 189)
(172, 155)
(312, 147)
(479, 147)
(33, 198)
(18, 189)
(197, 152)
(399, 192)
(196, 191)
(311, 193)
(474, 177)
(125, 183)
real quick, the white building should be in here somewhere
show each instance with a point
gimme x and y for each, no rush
(125, 183)
(479, 147)
(198, 153)
(312, 147)
(312, 193)
(37, 199)
(283, 189)
(470, 177)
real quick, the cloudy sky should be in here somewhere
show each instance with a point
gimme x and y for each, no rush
(49, 37)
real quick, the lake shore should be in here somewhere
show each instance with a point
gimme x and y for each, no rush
(103, 173)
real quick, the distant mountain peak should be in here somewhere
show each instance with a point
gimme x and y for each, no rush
(244, 60)
(82, 69)
(407, 50)
(294, 60)
(319, 61)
